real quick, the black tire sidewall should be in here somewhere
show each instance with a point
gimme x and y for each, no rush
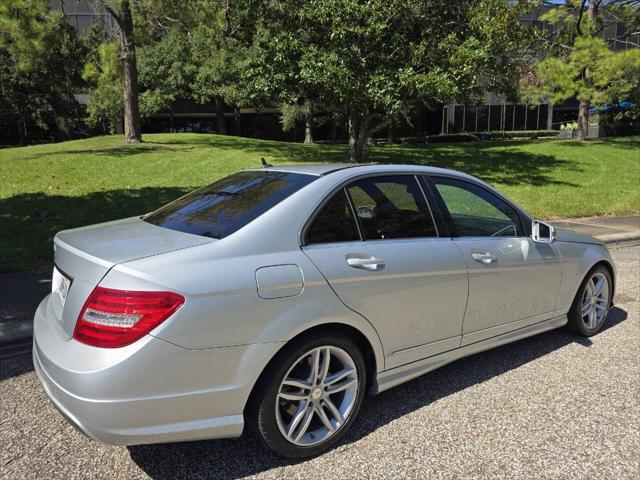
(575, 315)
(265, 418)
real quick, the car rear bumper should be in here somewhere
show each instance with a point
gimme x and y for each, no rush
(149, 392)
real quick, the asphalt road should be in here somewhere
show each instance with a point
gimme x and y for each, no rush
(555, 405)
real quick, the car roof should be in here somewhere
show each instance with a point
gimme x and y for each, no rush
(322, 169)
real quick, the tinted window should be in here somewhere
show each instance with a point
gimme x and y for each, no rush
(334, 222)
(475, 212)
(229, 204)
(391, 207)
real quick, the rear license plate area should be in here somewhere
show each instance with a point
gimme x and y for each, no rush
(60, 284)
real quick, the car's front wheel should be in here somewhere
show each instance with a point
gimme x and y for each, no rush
(591, 306)
(310, 397)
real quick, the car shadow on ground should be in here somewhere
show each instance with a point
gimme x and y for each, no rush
(245, 456)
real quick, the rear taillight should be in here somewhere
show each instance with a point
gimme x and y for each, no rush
(115, 318)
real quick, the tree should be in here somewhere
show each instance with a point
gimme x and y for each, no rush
(376, 60)
(40, 65)
(121, 12)
(577, 63)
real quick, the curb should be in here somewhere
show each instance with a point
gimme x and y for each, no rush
(15, 329)
(620, 238)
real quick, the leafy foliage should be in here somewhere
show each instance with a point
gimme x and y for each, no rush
(39, 68)
(165, 71)
(105, 76)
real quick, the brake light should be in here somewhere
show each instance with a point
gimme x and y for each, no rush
(114, 318)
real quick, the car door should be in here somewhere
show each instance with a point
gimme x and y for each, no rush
(513, 281)
(376, 243)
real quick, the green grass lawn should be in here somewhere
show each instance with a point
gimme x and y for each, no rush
(46, 188)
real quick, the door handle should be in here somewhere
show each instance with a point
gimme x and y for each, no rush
(365, 262)
(483, 257)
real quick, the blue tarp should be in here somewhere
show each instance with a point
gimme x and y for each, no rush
(605, 108)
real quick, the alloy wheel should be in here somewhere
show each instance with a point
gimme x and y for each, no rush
(595, 301)
(316, 396)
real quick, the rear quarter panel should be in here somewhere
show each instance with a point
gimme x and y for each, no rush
(222, 305)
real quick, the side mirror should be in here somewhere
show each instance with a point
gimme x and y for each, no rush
(542, 232)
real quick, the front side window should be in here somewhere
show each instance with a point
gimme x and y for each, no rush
(220, 209)
(391, 207)
(475, 212)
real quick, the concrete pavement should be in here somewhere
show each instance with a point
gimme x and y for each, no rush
(21, 292)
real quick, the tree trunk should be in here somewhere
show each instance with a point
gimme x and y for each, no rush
(23, 135)
(308, 133)
(130, 73)
(334, 130)
(583, 120)
(583, 108)
(391, 133)
(222, 122)
(238, 123)
(308, 122)
(357, 136)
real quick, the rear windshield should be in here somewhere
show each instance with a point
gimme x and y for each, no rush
(229, 204)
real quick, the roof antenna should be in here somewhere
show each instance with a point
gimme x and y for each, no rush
(264, 163)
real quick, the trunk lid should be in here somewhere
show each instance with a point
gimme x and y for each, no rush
(84, 255)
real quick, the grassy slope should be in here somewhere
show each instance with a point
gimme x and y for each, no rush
(46, 188)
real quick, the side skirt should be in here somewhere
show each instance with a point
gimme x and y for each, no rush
(390, 378)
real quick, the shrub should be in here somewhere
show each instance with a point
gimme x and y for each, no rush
(524, 134)
(451, 138)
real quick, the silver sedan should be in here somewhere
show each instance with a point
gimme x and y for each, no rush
(277, 298)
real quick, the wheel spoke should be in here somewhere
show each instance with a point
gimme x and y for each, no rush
(306, 421)
(324, 366)
(293, 396)
(598, 287)
(338, 387)
(593, 318)
(315, 367)
(292, 382)
(586, 308)
(336, 377)
(600, 306)
(334, 411)
(590, 287)
(297, 418)
(325, 420)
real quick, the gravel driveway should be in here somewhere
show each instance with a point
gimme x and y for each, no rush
(552, 406)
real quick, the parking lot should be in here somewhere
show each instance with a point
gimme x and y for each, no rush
(551, 406)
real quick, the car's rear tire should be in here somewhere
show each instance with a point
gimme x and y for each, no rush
(304, 405)
(591, 305)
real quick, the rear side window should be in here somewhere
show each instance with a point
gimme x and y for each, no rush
(391, 207)
(334, 223)
(227, 205)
